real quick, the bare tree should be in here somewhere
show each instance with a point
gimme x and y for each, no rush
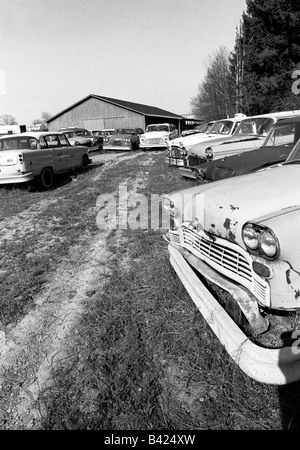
(216, 94)
(8, 119)
(46, 116)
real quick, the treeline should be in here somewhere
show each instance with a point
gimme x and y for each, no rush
(258, 75)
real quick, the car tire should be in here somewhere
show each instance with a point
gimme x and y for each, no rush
(45, 180)
(84, 163)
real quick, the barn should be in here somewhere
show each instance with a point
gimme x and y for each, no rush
(96, 112)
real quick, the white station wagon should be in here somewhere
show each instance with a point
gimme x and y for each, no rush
(235, 245)
(39, 156)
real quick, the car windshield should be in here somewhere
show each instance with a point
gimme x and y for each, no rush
(221, 127)
(18, 143)
(286, 135)
(82, 133)
(259, 126)
(125, 131)
(157, 128)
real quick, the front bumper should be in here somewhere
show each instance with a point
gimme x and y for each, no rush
(160, 146)
(12, 179)
(271, 366)
(120, 148)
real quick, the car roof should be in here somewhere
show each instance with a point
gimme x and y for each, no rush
(32, 134)
(290, 119)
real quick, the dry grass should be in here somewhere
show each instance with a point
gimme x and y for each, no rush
(143, 358)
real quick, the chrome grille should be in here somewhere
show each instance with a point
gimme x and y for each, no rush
(260, 290)
(229, 259)
(195, 160)
(154, 141)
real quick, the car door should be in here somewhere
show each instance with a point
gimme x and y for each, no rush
(58, 151)
(70, 153)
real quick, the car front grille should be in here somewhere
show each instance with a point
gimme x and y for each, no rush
(228, 259)
(195, 160)
(153, 141)
(116, 142)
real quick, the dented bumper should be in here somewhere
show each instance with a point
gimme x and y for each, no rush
(272, 366)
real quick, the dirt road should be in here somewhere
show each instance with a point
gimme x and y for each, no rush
(32, 349)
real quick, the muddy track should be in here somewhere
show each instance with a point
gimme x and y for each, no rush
(31, 350)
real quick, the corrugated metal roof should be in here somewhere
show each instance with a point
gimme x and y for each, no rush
(139, 108)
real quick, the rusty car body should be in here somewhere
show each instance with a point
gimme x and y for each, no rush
(241, 235)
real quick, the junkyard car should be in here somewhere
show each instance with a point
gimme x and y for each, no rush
(123, 139)
(177, 149)
(39, 156)
(275, 149)
(82, 136)
(156, 135)
(235, 245)
(249, 135)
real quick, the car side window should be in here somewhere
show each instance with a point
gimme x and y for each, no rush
(33, 144)
(43, 143)
(63, 140)
(52, 140)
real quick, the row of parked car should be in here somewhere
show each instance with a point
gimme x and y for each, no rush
(124, 139)
(237, 229)
(40, 156)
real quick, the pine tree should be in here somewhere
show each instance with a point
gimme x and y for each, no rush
(270, 40)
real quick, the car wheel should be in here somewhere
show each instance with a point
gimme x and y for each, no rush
(84, 163)
(46, 178)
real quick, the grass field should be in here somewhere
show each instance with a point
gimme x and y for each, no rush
(140, 357)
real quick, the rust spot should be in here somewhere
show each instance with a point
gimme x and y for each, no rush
(212, 225)
(220, 207)
(231, 236)
(289, 280)
(226, 224)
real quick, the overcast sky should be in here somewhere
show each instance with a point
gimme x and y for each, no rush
(55, 52)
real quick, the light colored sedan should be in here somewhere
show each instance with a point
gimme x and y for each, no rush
(39, 156)
(241, 235)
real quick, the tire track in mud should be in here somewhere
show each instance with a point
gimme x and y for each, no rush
(39, 343)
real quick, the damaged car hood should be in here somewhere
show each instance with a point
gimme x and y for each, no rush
(222, 208)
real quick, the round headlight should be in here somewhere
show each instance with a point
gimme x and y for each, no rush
(209, 153)
(268, 243)
(250, 237)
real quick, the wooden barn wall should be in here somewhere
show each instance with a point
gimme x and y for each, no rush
(98, 114)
